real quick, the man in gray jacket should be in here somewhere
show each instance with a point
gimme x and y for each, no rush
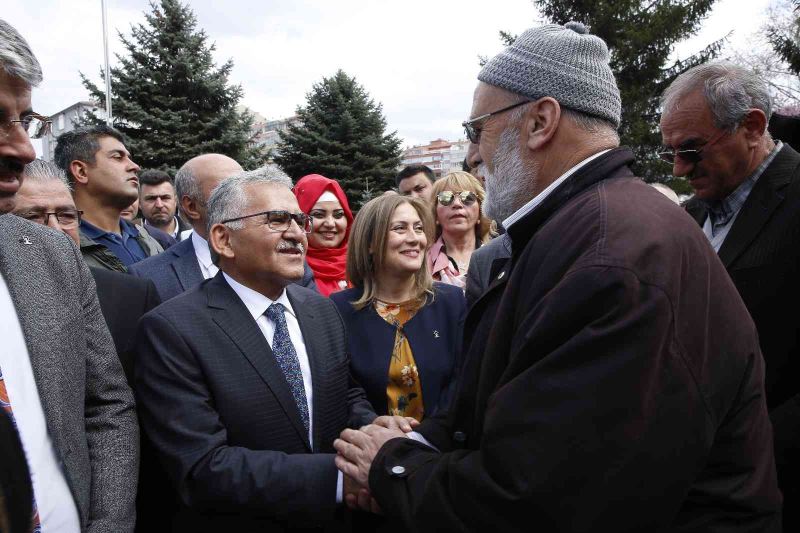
(60, 378)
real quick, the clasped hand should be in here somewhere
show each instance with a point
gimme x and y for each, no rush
(356, 450)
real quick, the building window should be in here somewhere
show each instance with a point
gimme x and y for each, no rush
(60, 122)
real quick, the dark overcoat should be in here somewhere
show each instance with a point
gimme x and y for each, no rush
(613, 382)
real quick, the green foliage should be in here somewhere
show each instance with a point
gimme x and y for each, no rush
(341, 134)
(785, 40)
(640, 36)
(168, 97)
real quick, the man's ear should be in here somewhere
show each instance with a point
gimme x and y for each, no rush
(219, 239)
(190, 208)
(754, 125)
(541, 121)
(79, 171)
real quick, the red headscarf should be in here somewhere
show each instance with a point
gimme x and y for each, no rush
(328, 264)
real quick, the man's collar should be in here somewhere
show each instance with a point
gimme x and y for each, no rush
(256, 303)
(201, 249)
(173, 233)
(93, 232)
(539, 198)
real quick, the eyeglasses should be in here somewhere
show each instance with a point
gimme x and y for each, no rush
(278, 221)
(35, 125)
(474, 133)
(690, 155)
(446, 198)
(67, 218)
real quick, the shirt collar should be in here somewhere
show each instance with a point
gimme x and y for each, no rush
(93, 232)
(256, 303)
(539, 198)
(201, 250)
(173, 233)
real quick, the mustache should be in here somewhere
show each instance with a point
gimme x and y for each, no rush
(291, 245)
(10, 165)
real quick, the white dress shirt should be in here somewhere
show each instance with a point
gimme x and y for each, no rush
(203, 254)
(57, 510)
(257, 304)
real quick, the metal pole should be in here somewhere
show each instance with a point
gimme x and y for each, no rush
(109, 120)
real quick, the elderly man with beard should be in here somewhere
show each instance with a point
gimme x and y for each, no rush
(243, 381)
(594, 393)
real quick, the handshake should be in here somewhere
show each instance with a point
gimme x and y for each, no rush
(356, 450)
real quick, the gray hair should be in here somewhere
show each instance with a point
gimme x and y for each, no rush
(16, 57)
(186, 185)
(41, 171)
(729, 89)
(229, 198)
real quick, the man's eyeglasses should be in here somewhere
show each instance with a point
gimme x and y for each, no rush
(35, 125)
(689, 155)
(278, 221)
(67, 218)
(474, 133)
(446, 198)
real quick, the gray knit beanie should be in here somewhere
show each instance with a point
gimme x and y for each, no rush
(564, 62)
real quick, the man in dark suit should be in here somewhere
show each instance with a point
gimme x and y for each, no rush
(243, 381)
(44, 198)
(594, 395)
(185, 265)
(482, 265)
(747, 200)
(65, 386)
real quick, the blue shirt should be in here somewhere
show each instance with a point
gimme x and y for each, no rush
(124, 246)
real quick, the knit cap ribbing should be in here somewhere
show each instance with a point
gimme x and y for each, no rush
(564, 62)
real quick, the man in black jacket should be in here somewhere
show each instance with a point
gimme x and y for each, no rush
(747, 200)
(594, 396)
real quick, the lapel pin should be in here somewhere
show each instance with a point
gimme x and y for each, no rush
(500, 276)
(435, 334)
(25, 240)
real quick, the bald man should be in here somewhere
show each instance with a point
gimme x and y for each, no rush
(188, 263)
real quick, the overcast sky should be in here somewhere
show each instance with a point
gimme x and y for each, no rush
(419, 58)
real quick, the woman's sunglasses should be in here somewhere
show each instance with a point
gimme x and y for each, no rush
(446, 198)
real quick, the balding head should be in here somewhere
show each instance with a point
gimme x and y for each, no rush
(194, 182)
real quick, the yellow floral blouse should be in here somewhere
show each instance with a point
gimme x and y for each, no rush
(404, 391)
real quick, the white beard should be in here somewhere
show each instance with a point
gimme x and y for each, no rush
(508, 186)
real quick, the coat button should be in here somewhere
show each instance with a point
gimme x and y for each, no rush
(460, 436)
(398, 470)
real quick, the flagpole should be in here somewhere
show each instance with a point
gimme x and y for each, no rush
(109, 119)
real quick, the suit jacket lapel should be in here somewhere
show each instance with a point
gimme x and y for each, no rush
(185, 266)
(18, 263)
(316, 356)
(231, 315)
(767, 195)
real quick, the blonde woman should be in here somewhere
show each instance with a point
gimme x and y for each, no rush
(461, 227)
(404, 329)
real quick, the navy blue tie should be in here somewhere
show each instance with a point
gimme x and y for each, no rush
(284, 352)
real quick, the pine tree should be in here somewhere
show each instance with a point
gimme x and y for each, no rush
(341, 134)
(640, 36)
(784, 36)
(168, 97)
